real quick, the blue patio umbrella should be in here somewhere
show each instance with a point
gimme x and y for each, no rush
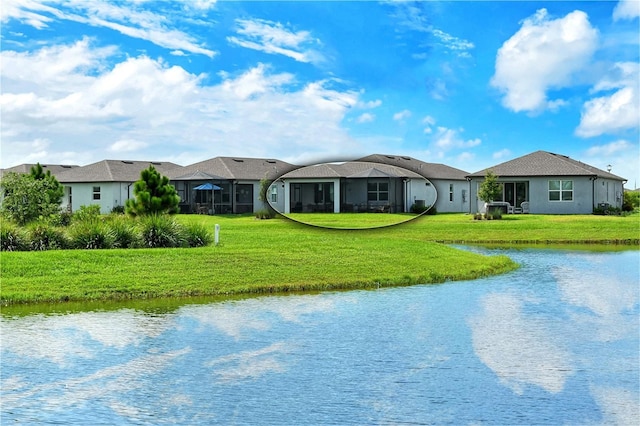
(207, 187)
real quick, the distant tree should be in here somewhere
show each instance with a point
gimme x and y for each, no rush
(490, 189)
(54, 188)
(153, 194)
(631, 200)
(25, 198)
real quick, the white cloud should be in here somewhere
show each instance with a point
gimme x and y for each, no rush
(503, 153)
(370, 104)
(127, 145)
(365, 118)
(544, 54)
(80, 105)
(402, 115)
(127, 19)
(429, 120)
(626, 9)
(458, 45)
(447, 139)
(609, 149)
(274, 38)
(614, 112)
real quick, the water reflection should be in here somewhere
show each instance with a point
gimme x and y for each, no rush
(519, 348)
(555, 342)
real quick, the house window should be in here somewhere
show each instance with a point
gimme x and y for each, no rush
(450, 192)
(274, 194)
(560, 190)
(96, 192)
(378, 191)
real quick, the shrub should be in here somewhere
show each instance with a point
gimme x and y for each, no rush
(117, 210)
(197, 235)
(44, 236)
(265, 214)
(12, 237)
(160, 230)
(87, 213)
(91, 235)
(125, 234)
(493, 213)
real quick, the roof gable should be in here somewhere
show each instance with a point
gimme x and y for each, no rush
(240, 168)
(427, 170)
(543, 163)
(114, 171)
(55, 169)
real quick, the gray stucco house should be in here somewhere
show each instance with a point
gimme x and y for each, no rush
(234, 182)
(451, 186)
(551, 184)
(107, 183)
(354, 186)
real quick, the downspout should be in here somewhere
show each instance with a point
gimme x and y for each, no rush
(469, 196)
(593, 192)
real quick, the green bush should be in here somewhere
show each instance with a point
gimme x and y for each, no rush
(87, 213)
(117, 210)
(12, 237)
(91, 235)
(159, 230)
(125, 233)
(197, 235)
(265, 214)
(43, 236)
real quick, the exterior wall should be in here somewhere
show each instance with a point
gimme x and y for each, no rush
(112, 194)
(539, 203)
(608, 191)
(461, 196)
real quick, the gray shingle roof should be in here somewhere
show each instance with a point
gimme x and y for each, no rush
(543, 163)
(114, 171)
(239, 168)
(428, 170)
(351, 169)
(55, 169)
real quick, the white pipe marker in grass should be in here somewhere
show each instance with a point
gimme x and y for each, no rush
(216, 237)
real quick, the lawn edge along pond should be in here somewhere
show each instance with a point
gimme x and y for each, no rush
(279, 255)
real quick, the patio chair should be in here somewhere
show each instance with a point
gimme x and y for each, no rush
(510, 209)
(525, 207)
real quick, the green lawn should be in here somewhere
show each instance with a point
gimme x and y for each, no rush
(279, 255)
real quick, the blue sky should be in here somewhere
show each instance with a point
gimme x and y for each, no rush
(468, 84)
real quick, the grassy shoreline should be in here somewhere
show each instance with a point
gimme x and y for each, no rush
(279, 255)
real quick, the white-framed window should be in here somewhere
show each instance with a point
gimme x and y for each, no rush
(96, 192)
(274, 194)
(378, 191)
(450, 192)
(560, 190)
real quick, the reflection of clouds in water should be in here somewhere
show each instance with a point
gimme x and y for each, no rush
(250, 364)
(235, 318)
(519, 349)
(59, 337)
(604, 294)
(607, 295)
(104, 385)
(619, 406)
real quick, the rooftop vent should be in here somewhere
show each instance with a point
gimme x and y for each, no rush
(127, 162)
(238, 160)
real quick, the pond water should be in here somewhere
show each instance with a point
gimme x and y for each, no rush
(555, 342)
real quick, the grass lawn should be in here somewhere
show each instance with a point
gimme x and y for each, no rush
(279, 255)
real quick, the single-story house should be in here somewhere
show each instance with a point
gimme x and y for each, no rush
(451, 184)
(234, 181)
(550, 183)
(354, 186)
(107, 183)
(55, 169)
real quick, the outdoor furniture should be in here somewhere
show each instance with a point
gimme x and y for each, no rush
(510, 209)
(525, 207)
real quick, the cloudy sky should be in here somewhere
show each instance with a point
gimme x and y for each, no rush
(468, 84)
